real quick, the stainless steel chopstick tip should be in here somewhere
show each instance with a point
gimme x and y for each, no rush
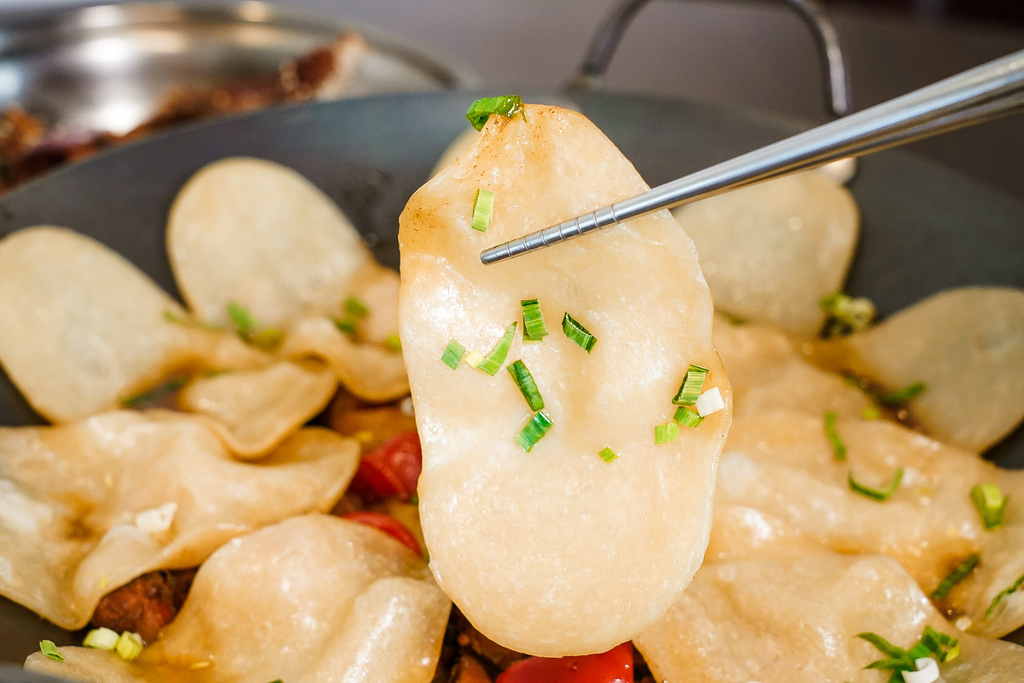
(500, 252)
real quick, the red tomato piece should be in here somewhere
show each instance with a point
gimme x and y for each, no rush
(614, 666)
(389, 525)
(391, 469)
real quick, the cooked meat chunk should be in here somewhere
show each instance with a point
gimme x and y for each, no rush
(469, 670)
(145, 605)
(28, 148)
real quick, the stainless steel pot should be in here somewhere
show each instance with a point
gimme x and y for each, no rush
(108, 67)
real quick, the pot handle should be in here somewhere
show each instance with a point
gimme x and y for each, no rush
(609, 33)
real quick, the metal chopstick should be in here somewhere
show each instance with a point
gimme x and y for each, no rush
(983, 93)
(1004, 106)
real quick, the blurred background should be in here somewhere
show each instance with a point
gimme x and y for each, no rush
(753, 54)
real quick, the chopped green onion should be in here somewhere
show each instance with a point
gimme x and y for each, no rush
(453, 354)
(854, 381)
(50, 650)
(881, 495)
(243, 320)
(414, 499)
(474, 359)
(932, 643)
(944, 647)
(346, 325)
(492, 363)
(578, 334)
(246, 327)
(483, 209)
(871, 413)
(101, 639)
(393, 343)
(481, 110)
(666, 433)
(534, 431)
(847, 314)
(533, 320)
(129, 646)
(733, 319)
(883, 646)
(155, 395)
(693, 382)
(956, 576)
(991, 504)
(902, 395)
(268, 339)
(608, 454)
(838, 447)
(687, 417)
(188, 321)
(1003, 593)
(356, 308)
(527, 386)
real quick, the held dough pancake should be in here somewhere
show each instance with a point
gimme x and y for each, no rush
(555, 551)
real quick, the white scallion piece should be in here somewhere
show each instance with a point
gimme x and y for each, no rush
(406, 406)
(710, 401)
(474, 358)
(101, 639)
(156, 520)
(927, 671)
(129, 646)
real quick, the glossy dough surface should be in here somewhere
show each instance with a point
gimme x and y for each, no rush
(781, 464)
(772, 250)
(70, 497)
(311, 600)
(789, 615)
(254, 410)
(256, 233)
(78, 344)
(555, 551)
(967, 346)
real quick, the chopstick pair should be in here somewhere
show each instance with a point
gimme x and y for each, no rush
(980, 94)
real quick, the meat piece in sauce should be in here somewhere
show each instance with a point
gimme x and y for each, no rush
(27, 148)
(146, 604)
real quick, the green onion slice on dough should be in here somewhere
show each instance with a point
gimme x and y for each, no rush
(492, 362)
(533, 320)
(881, 495)
(527, 386)
(534, 431)
(580, 335)
(505, 105)
(483, 209)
